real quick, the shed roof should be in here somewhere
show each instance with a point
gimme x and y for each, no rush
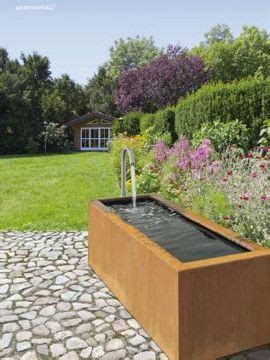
(90, 116)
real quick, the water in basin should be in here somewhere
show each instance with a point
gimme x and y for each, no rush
(178, 235)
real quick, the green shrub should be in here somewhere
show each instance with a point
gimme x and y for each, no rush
(165, 121)
(222, 135)
(147, 181)
(209, 202)
(129, 124)
(265, 133)
(55, 137)
(32, 146)
(161, 121)
(247, 100)
(151, 137)
(147, 121)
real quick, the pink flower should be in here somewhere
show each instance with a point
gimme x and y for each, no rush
(264, 197)
(245, 197)
(214, 166)
(254, 174)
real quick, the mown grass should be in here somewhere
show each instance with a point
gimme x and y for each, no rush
(52, 192)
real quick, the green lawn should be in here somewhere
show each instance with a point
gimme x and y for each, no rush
(51, 193)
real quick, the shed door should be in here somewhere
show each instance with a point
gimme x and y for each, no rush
(95, 138)
(104, 138)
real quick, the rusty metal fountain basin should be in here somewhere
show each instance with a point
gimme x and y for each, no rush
(197, 288)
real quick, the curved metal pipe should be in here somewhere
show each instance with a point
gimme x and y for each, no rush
(129, 151)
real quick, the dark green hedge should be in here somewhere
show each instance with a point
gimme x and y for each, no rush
(161, 121)
(247, 100)
(129, 124)
(135, 122)
(146, 121)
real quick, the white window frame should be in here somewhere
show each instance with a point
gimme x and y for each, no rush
(99, 138)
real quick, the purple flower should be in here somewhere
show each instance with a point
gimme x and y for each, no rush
(184, 157)
(180, 147)
(183, 164)
(161, 151)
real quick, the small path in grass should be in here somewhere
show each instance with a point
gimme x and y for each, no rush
(52, 305)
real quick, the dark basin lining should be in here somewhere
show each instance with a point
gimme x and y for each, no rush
(181, 237)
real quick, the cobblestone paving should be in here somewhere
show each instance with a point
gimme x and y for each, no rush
(53, 306)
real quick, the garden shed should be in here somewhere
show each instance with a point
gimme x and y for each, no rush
(92, 131)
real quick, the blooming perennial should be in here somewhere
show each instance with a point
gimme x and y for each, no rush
(240, 180)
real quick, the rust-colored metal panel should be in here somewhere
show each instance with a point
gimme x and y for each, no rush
(224, 308)
(201, 309)
(138, 273)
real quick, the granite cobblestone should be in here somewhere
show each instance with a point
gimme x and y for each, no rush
(52, 305)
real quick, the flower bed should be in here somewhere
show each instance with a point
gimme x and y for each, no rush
(228, 188)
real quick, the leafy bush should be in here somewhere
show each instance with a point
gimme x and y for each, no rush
(207, 200)
(128, 124)
(147, 181)
(162, 121)
(247, 100)
(147, 121)
(32, 146)
(54, 138)
(151, 137)
(165, 121)
(265, 133)
(222, 135)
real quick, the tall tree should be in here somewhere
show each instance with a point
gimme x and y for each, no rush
(131, 53)
(229, 60)
(251, 53)
(160, 83)
(15, 107)
(63, 101)
(100, 92)
(36, 76)
(72, 95)
(3, 59)
(219, 32)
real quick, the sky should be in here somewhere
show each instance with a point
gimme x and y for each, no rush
(76, 35)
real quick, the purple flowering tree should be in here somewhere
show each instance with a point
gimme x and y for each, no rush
(160, 83)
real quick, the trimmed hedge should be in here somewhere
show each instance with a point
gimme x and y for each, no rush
(247, 100)
(135, 122)
(162, 121)
(128, 124)
(147, 121)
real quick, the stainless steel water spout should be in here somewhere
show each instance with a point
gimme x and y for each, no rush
(129, 151)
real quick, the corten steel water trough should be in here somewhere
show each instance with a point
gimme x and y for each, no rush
(196, 310)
